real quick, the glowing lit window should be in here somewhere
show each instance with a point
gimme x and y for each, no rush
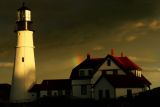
(28, 15)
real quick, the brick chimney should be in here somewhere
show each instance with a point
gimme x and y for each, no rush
(112, 52)
(122, 54)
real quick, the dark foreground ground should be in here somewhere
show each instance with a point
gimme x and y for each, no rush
(147, 99)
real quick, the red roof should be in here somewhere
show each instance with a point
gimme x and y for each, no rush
(58, 84)
(145, 80)
(124, 81)
(94, 63)
(125, 63)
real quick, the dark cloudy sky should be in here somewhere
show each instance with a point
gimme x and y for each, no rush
(66, 30)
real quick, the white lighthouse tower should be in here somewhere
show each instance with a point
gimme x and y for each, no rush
(24, 66)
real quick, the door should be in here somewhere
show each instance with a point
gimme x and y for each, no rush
(100, 94)
(129, 93)
(107, 94)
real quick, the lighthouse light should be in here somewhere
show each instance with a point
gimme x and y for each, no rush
(24, 15)
(27, 15)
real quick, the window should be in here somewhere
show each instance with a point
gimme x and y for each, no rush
(100, 94)
(129, 93)
(38, 94)
(22, 59)
(89, 72)
(55, 94)
(82, 73)
(83, 89)
(109, 62)
(107, 94)
(115, 72)
(60, 93)
(138, 73)
(49, 92)
(129, 70)
(67, 92)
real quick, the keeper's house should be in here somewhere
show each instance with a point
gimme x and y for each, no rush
(98, 78)
(109, 77)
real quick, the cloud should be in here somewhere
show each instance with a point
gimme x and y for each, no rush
(139, 24)
(151, 69)
(98, 48)
(154, 25)
(138, 59)
(133, 30)
(6, 64)
(131, 38)
(158, 68)
(128, 35)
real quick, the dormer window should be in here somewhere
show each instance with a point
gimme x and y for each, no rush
(108, 62)
(89, 72)
(81, 73)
